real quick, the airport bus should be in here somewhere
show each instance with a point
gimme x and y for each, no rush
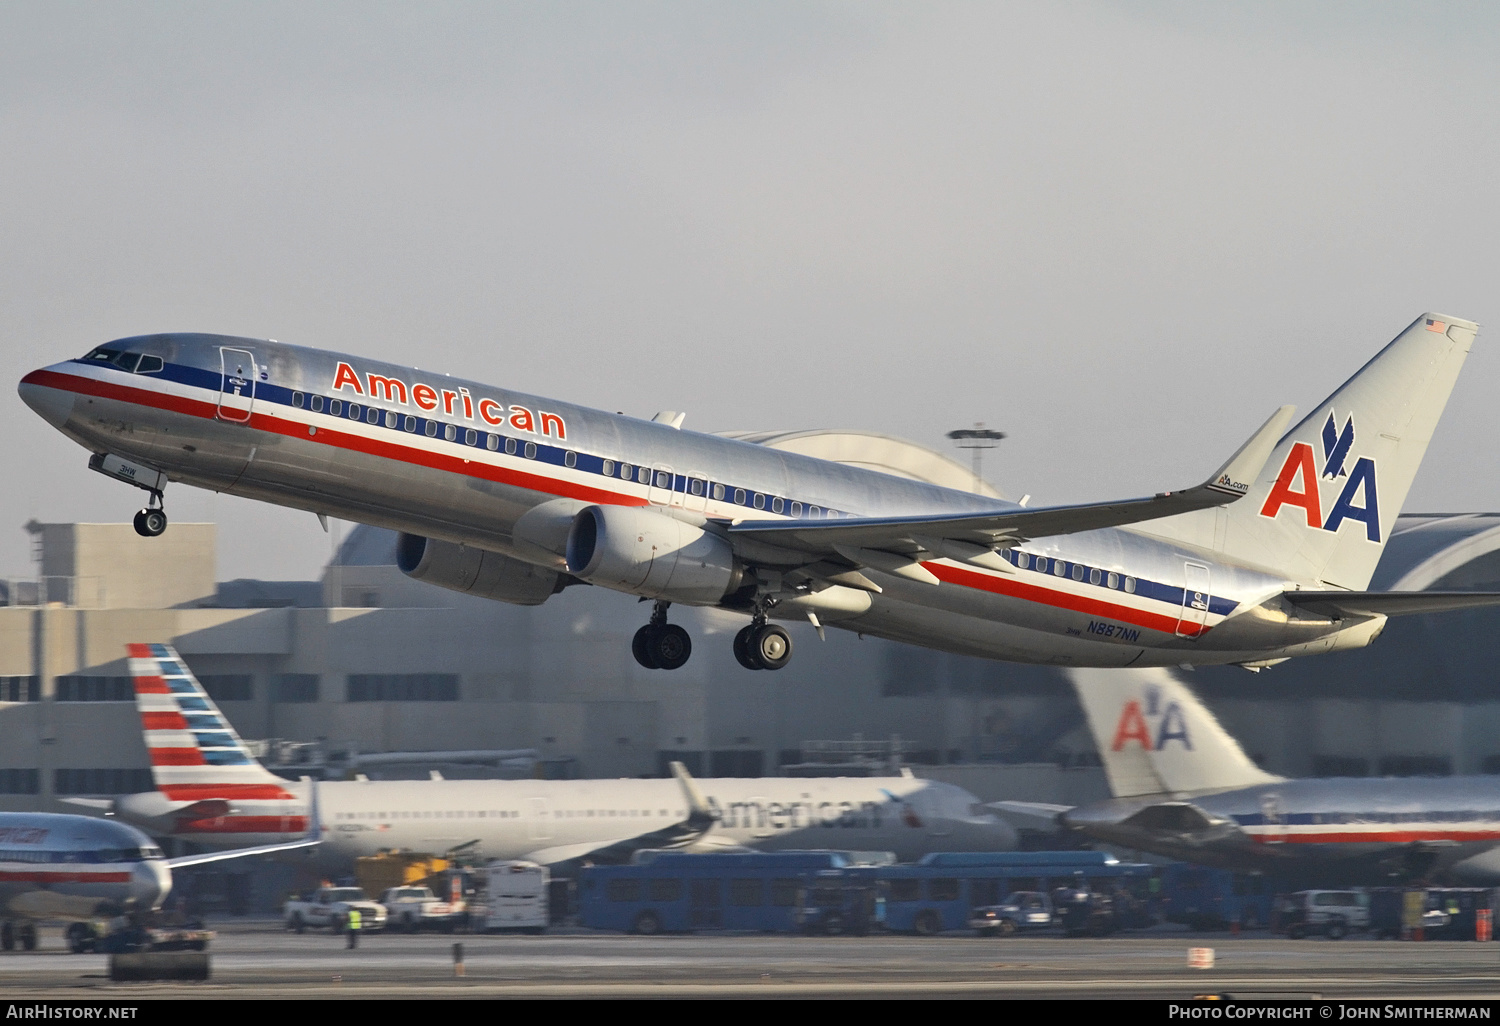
(777, 892)
(938, 892)
(1212, 899)
(821, 891)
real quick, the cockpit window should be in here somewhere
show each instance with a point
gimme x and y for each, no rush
(133, 363)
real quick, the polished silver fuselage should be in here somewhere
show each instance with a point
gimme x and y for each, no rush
(1336, 831)
(76, 867)
(236, 415)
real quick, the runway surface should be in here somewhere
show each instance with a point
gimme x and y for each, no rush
(258, 959)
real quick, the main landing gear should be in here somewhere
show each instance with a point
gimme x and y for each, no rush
(151, 520)
(660, 645)
(762, 645)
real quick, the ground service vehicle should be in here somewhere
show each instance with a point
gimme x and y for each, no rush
(330, 907)
(516, 897)
(1020, 912)
(1443, 913)
(409, 909)
(1334, 914)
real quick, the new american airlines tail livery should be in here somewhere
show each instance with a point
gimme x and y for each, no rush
(211, 791)
(1184, 788)
(514, 497)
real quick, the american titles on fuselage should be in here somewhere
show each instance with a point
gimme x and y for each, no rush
(455, 402)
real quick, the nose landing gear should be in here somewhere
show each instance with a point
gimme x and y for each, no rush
(151, 520)
(660, 645)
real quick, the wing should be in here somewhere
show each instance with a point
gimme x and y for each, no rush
(238, 853)
(683, 834)
(1340, 605)
(897, 544)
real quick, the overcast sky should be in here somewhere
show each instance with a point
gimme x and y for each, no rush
(1121, 233)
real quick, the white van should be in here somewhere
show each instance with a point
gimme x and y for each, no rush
(517, 897)
(1331, 913)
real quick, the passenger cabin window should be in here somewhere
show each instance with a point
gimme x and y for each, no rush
(317, 404)
(336, 406)
(471, 437)
(1023, 559)
(510, 447)
(1060, 568)
(626, 471)
(760, 501)
(411, 423)
(432, 429)
(777, 505)
(739, 496)
(531, 450)
(796, 509)
(719, 492)
(695, 486)
(372, 416)
(1130, 585)
(1041, 564)
(643, 475)
(1094, 575)
(1112, 581)
(570, 458)
(354, 411)
(814, 512)
(450, 432)
(298, 399)
(609, 468)
(492, 442)
(1078, 572)
(392, 419)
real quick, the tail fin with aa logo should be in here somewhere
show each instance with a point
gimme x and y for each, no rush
(1156, 737)
(1321, 510)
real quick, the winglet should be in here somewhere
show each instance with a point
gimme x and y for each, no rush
(700, 816)
(1243, 468)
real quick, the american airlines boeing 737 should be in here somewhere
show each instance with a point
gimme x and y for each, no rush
(211, 791)
(1184, 788)
(514, 497)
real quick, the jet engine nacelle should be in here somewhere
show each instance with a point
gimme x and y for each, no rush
(475, 571)
(644, 552)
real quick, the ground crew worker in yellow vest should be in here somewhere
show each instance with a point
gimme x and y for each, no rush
(352, 927)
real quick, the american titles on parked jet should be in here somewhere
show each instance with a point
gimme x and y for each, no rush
(211, 791)
(514, 497)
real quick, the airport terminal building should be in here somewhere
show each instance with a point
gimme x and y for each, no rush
(367, 662)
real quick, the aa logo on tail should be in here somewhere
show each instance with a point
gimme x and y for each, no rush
(1299, 483)
(1135, 724)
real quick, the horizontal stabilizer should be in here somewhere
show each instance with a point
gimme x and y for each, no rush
(1340, 604)
(1005, 527)
(1029, 814)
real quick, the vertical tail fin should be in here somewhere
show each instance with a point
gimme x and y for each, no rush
(1323, 507)
(195, 753)
(1155, 736)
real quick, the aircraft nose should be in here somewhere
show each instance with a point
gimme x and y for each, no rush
(54, 405)
(150, 883)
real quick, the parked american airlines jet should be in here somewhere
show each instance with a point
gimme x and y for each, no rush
(81, 869)
(514, 497)
(1184, 788)
(211, 791)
